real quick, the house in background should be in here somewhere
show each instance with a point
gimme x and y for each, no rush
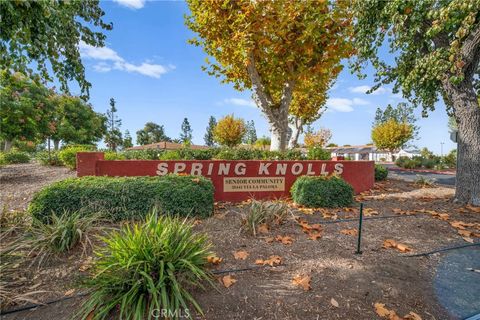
(370, 153)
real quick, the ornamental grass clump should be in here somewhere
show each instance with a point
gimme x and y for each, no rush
(264, 212)
(61, 234)
(147, 269)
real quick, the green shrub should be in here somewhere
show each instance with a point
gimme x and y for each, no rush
(125, 198)
(401, 161)
(14, 156)
(68, 155)
(170, 155)
(48, 160)
(148, 267)
(317, 153)
(451, 159)
(321, 191)
(429, 163)
(112, 155)
(148, 154)
(381, 172)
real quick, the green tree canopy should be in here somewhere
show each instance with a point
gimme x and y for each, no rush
(209, 136)
(113, 137)
(186, 133)
(76, 122)
(251, 133)
(436, 45)
(151, 133)
(26, 108)
(127, 140)
(47, 34)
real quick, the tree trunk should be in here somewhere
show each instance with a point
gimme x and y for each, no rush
(56, 144)
(8, 145)
(467, 115)
(297, 127)
(278, 120)
(276, 114)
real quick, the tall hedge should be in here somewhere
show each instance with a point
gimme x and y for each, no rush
(127, 197)
(321, 191)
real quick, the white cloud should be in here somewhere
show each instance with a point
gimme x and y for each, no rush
(106, 55)
(96, 53)
(240, 102)
(364, 89)
(345, 105)
(102, 67)
(360, 102)
(340, 104)
(132, 4)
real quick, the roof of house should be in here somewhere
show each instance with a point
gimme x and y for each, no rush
(165, 145)
(352, 149)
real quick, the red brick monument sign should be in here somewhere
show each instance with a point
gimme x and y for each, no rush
(233, 180)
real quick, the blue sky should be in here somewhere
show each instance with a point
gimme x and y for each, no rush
(155, 75)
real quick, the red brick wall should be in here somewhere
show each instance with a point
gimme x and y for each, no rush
(360, 174)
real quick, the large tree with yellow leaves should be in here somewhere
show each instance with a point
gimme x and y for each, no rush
(281, 50)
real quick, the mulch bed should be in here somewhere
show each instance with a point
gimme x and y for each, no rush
(344, 285)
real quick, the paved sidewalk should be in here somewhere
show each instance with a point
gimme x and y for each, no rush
(456, 286)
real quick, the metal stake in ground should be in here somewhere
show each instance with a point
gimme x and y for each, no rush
(360, 230)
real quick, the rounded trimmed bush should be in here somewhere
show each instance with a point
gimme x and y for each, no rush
(125, 197)
(321, 191)
(12, 157)
(381, 172)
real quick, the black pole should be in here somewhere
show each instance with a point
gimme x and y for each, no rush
(360, 230)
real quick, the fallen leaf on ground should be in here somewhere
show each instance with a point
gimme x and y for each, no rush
(472, 208)
(285, 239)
(465, 233)
(314, 235)
(263, 228)
(272, 261)
(69, 292)
(369, 212)
(269, 239)
(87, 264)
(228, 281)
(349, 232)
(390, 243)
(412, 316)
(302, 281)
(467, 239)
(213, 259)
(405, 212)
(334, 303)
(240, 255)
(382, 311)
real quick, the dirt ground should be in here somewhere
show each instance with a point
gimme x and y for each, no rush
(19, 182)
(344, 285)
